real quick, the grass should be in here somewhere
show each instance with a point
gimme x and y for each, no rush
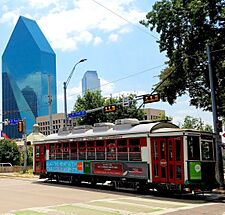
(128, 207)
(72, 209)
(29, 212)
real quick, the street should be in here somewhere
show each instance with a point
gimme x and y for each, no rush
(31, 196)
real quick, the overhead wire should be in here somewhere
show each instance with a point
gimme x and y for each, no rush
(131, 23)
(117, 80)
(123, 78)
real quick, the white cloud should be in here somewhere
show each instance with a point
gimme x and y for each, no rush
(97, 41)
(39, 4)
(124, 30)
(10, 17)
(4, 8)
(106, 87)
(85, 36)
(67, 24)
(71, 94)
(113, 37)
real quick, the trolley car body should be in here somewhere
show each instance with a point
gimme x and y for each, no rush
(130, 153)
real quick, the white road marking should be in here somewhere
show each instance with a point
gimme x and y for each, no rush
(119, 201)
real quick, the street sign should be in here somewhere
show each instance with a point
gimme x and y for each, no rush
(126, 102)
(13, 121)
(77, 114)
(151, 98)
(109, 108)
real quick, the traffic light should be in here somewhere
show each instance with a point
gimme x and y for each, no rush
(20, 126)
(151, 98)
(109, 108)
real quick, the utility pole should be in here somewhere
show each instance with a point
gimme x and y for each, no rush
(25, 146)
(219, 160)
(50, 103)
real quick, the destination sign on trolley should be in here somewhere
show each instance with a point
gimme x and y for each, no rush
(151, 98)
(109, 108)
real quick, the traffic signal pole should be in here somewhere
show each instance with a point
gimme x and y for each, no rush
(25, 146)
(219, 159)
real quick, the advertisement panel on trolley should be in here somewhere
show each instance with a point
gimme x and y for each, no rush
(65, 166)
(126, 169)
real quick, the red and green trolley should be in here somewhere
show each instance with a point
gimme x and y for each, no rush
(130, 154)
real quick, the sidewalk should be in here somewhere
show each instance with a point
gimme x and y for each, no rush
(19, 175)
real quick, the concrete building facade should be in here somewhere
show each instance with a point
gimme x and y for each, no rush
(153, 114)
(58, 121)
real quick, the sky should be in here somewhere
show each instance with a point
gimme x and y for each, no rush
(107, 33)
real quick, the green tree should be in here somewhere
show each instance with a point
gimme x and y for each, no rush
(164, 117)
(9, 152)
(131, 111)
(185, 28)
(92, 100)
(196, 123)
(29, 156)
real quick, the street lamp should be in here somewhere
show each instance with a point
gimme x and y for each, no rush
(65, 84)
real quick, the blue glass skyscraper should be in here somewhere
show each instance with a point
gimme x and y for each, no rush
(90, 81)
(27, 62)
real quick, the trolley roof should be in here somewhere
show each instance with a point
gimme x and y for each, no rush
(110, 130)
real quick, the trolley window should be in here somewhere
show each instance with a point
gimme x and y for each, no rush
(90, 150)
(207, 150)
(66, 154)
(134, 149)
(162, 149)
(155, 145)
(37, 151)
(82, 150)
(122, 149)
(178, 150)
(73, 150)
(111, 149)
(193, 148)
(100, 150)
(52, 152)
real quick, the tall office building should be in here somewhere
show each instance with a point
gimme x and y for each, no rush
(90, 81)
(27, 62)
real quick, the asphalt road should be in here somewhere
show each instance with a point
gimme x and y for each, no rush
(30, 196)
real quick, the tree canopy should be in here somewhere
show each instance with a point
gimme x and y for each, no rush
(9, 152)
(196, 123)
(185, 28)
(92, 100)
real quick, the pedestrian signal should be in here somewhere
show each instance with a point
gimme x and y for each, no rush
(20, 126)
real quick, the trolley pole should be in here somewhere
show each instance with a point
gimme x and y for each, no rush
(219, 160)
(25, 146)
(50, 103)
